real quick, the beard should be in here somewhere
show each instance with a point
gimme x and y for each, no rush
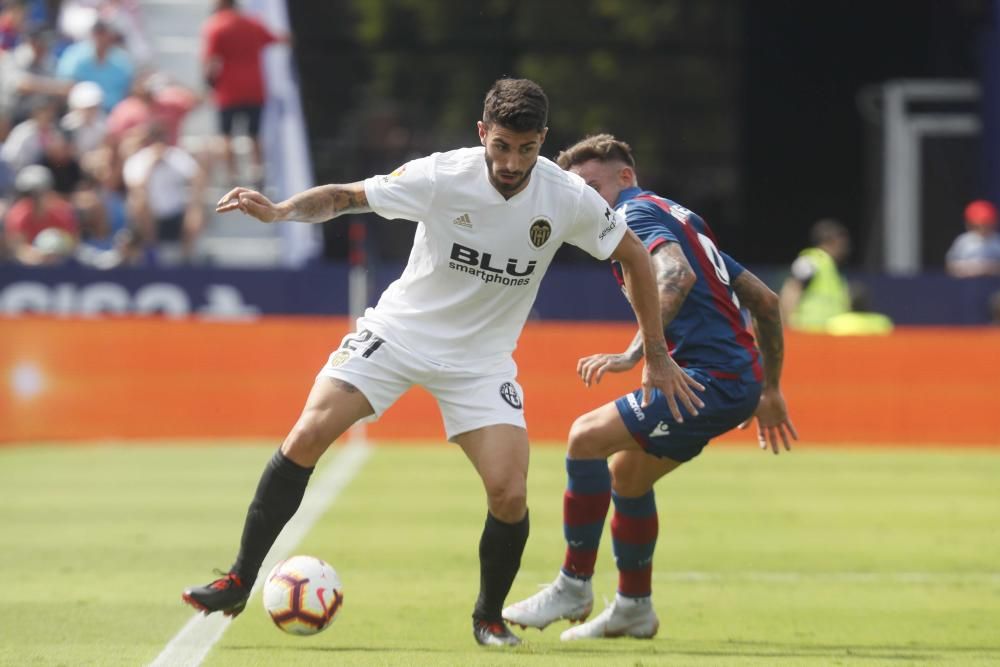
(504, 187)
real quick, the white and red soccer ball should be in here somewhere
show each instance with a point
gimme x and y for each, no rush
(302, 594)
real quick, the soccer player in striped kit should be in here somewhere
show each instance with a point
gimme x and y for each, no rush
(701, 291)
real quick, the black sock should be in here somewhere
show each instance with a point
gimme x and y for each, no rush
(278, 496)
(500, 550)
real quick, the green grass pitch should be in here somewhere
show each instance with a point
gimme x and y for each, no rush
(825, 556)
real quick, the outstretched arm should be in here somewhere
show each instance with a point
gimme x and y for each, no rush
(773, 422)
(313, 205)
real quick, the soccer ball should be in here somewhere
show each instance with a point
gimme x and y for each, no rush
(302, 594)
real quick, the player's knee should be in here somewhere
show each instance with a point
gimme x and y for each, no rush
(584, 440)
(626, 480)
(306, 442)
(508, 502)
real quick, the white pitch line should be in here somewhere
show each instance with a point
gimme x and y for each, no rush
(189, 647)
(837, 577)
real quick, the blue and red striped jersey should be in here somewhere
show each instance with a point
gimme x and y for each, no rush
(709, 331)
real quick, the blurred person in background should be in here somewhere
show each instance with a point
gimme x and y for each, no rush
(27, 74)
(619, 451)
(59, 157)
(154, 100)
(85, 121)
(976, 252)
(100, 60)
(816, 291)
(26, 142)
(165, 198)
(13, 14)
(232, 44)
(124, 16)
(817, 298)
(40, 227)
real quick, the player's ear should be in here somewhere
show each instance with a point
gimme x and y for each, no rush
(483, 129)
(626, 176)
(541, 139)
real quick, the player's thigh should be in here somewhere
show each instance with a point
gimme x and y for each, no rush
(599, 433)
(634, 472)
(727, 403)
(332, 407)
(500, 455)
(470, 399)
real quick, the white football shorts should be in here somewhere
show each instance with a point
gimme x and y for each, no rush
(468, 397)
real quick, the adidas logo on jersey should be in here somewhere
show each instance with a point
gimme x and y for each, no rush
(462, 221)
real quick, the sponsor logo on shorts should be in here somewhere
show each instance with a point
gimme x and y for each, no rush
(540, 231)
(508, 392)
(339, 357)
(636, 410)
(662, 429)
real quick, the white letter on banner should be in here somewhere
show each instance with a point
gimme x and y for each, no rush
(101, 298)
(25, 297)
(164, 298)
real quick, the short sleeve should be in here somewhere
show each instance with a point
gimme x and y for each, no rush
(803, 269)
(733, 268)
(649, 224)
(597, 228)
(405, 193)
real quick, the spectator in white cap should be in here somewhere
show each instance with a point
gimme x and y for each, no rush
(86, 122)
(41, 227)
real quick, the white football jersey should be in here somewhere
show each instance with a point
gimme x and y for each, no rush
(477, 258)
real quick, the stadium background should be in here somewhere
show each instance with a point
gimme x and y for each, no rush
(764, 115)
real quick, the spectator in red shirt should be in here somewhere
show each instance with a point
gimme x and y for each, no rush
(41, 227)
(154, 100)
(231, 57)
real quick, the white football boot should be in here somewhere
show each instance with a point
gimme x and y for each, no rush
(566, 597)
(625, 617)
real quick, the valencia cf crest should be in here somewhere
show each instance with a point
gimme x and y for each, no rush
(338, 358)
(508, 392)
(539, 232)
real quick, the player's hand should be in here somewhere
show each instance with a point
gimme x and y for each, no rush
(250, 202)
(662, 372)
(592, 368)
(773, 423)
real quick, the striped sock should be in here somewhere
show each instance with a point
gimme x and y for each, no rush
(585, 506)
(634, 528)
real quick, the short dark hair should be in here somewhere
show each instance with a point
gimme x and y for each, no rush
(827, 230)
(601, 147)
(517, 104)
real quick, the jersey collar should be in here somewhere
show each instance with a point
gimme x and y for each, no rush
(627, 194)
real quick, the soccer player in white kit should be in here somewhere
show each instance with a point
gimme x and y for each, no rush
(490, 220)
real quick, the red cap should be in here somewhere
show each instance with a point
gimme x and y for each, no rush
(981, 212)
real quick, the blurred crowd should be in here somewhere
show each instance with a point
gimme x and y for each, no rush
(90, 167)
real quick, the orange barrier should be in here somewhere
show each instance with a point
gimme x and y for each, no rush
(146, 378)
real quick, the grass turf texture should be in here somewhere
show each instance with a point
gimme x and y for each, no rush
(820, 557)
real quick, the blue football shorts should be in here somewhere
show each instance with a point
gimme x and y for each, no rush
(728, 403)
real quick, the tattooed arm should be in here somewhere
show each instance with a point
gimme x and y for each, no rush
(674, 279)
(772, 413)
(314, 205)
